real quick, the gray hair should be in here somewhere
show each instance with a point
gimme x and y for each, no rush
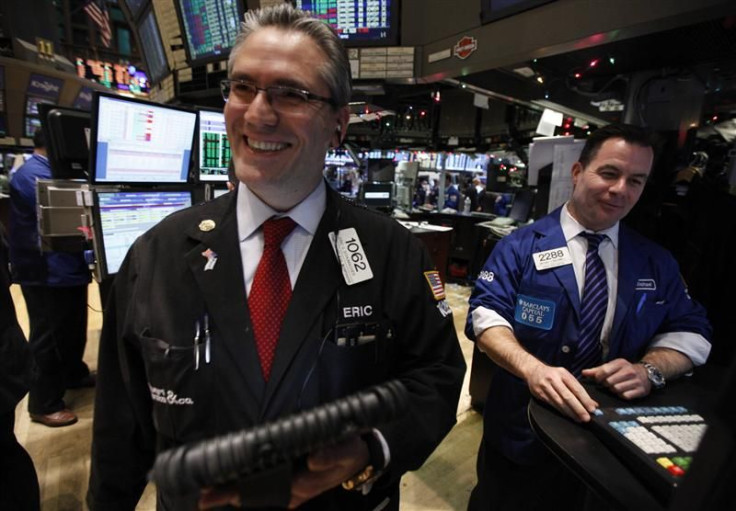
(336, 69)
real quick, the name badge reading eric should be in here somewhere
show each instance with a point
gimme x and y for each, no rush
(552, 258)
(350, 254)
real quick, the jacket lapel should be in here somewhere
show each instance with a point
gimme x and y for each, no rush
(318, 279)
(550, 236)
(629, 266)
(223, 291)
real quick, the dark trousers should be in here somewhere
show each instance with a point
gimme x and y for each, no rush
(504, 485)
(58, 335)
(18, 481)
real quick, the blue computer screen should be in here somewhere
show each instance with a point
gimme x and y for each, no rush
(125, 215)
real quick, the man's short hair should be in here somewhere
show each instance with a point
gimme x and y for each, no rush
(631, 134)
(39, 142)
(336, 69)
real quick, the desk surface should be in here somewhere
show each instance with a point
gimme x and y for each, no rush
(585, 455)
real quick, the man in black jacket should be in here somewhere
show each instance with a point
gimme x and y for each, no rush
(185, 352)
(18, 481)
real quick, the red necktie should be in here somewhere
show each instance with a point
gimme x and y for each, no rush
(271, 291)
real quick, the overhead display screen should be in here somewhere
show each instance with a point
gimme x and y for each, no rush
(210, 28)
(152, 48)
(358, 22)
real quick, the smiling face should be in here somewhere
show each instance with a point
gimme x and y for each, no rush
(611, 184)
(280, 156)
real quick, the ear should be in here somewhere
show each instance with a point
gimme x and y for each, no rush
(343, 118)
(577, 169)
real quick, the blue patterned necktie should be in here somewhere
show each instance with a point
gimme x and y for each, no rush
(593, 308)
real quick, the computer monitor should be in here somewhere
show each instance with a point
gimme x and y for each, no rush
(357, 22)
(378, 195)
(492, 10)
(521, 207)
(152, 47)
(381, 169)
(209, 28)
(66, 132)
(120, 216)
(213, 144)
(135, 141)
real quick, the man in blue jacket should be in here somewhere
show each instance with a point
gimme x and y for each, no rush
(54, 286)
(527, 314)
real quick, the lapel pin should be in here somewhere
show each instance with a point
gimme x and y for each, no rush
(206, 225)
(211, 259)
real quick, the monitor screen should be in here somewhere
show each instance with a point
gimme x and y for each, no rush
(522, 206)
(219, 192)
(66, 132)
(32, 124)
(382, 169)
(209, 28)
(378, 195)
(358, 22)
(214, 147)
(152, 48)
(122, 216)
(135, 141)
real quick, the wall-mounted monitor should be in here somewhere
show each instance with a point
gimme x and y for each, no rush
(378, 195)
(121, 216)
(492, 10)
(214, 147)
(382, 169)
(358, 22)
(209, 28)
(152, 47)
(135, 6)
(136, 141)
(66, 132)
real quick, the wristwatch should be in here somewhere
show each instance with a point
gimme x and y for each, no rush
(654, 375)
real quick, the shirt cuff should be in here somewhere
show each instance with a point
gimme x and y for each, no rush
(690, 344)
(484, 318)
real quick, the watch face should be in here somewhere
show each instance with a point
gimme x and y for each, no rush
(655, 376)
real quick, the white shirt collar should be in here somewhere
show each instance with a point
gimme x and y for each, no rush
(252, 211)
(571, 227)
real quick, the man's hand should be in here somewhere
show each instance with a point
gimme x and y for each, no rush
(623, 378)
(559, 388)
(328, 468)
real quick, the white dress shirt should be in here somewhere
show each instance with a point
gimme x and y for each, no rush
(252, 212)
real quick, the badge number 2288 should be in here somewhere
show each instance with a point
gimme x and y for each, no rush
(350, 253)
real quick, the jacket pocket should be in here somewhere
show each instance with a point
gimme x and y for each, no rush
(179, 388)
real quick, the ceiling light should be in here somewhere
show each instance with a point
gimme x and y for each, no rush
(525, 71)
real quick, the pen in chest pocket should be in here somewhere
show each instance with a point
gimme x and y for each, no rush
(198, 338)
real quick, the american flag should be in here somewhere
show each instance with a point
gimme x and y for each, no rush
(97, 12)
(435, 284)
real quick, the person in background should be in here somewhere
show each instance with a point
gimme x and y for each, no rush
(208, 273)
(54, 286)
(18, 481)
(476, 192)
(609, 307)
(452, 194)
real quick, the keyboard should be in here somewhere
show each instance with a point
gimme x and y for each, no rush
(655, 442)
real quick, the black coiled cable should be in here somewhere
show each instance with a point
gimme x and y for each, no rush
(234, 456)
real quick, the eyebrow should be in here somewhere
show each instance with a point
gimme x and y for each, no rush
(282, 82)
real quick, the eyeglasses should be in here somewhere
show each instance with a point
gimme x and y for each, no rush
(282, 98)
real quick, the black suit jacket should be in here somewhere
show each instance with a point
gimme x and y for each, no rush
(151, 395)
